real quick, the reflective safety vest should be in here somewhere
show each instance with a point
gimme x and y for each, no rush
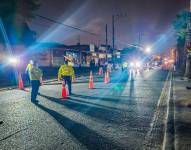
(35, 73)
(66, 70)
(29, 66)
(125, 65)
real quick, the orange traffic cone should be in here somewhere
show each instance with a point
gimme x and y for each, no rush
(64, 92)
(100, 71)
(21, 86)
(109, 70)
(106, 78)
(91, 84)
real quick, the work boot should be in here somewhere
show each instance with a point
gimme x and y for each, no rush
(188, 87)
(34, 101)
(70, 93)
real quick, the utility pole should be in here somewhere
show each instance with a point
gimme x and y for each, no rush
(79, 45)
(113, 27)
(113, 32)
(79, 41)
(106, 40)
(139, 39)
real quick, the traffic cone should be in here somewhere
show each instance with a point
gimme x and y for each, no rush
(109, 70)
(100, 71)
(64, 92)
(106, 78)
(21, 86)
(91, 84)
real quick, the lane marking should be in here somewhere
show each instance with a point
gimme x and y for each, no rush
(162, 98)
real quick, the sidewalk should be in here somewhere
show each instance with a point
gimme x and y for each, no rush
(182, 113)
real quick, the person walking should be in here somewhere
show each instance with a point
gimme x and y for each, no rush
(66, 74)
(36, 80)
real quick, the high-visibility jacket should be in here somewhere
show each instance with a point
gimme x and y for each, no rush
(66, 70)
(29, 66)
(35, 73)
(125, 65)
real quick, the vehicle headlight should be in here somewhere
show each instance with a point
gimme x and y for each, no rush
(13, 60)
(138, 64)
(131, 64)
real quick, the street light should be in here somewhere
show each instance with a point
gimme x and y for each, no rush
(13, 60)
(148, 50)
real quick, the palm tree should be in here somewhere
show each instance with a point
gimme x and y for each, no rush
(181, 26)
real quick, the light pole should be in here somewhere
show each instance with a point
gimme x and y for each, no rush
(106, 39)
(113, 32)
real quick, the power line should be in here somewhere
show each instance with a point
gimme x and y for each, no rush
(69, 26)
(79, 29)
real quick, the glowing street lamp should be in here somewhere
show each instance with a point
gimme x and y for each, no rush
(148, 50)
(13, 60)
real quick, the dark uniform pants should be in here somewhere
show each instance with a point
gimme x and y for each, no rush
(35, 87)
(68, 80)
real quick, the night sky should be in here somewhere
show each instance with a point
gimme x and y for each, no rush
(152, 18)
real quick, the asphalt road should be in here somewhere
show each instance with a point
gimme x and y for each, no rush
(117, 115)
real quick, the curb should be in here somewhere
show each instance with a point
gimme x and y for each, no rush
(169, 136)
(8, 88)
(155, 138)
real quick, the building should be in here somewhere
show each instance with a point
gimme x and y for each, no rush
(52, 54)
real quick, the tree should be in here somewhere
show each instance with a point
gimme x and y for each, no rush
(15, 15)
(181, 26)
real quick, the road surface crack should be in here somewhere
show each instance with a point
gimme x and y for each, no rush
(13, 134)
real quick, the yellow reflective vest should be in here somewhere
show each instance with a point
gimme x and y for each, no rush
(66, 70)
(125, 65)
(29, 66)
(35, 73)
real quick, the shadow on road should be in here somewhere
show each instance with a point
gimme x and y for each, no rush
(131, 90)
(86, 136)
(120, 77)
(95, 104)
(104, 114)
(115, 100)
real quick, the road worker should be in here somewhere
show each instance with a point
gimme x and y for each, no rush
(125, 66)
(36, 80)
(66, 74)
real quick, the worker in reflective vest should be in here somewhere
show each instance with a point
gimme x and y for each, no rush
(66, 74)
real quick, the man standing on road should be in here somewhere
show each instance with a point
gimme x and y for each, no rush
(66, 73)
(36, 80)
